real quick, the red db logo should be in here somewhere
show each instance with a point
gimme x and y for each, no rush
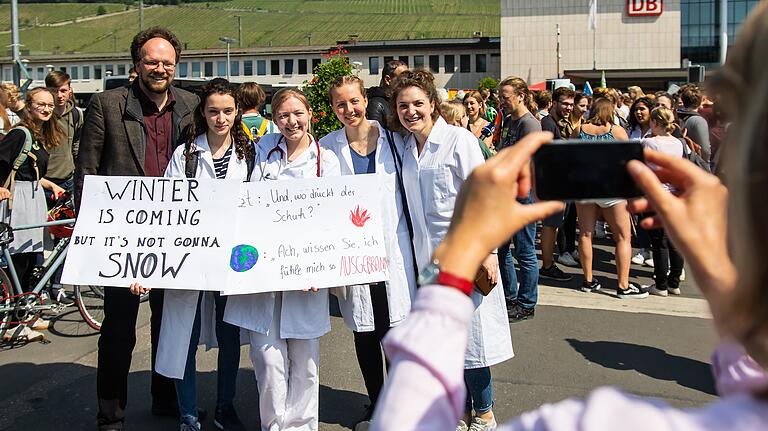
(645, 7)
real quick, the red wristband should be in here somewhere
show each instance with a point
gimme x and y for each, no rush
(448, 279)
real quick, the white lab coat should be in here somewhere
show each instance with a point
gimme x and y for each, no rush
(303, 315)
(179, 306)
(432, 182)
(355, 301)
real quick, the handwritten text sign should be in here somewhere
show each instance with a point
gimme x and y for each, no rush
(302, 233)
(162, 232)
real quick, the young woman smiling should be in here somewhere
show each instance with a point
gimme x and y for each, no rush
(365, 147)
(222, 149)
(437, 158)
(284, 328)
(478, 125)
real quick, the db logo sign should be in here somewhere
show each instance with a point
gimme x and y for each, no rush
(644, 7)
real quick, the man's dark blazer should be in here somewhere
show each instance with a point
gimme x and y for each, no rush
(113, 141)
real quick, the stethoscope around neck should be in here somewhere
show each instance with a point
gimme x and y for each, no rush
(277, 149)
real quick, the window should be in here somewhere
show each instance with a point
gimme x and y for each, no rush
(64, 69)
(183, 70)
(74, 73)
(97, 71)
(121, 69)
(373, 65)
(86, 72)
(196, 69)
(418, 61)
(404, 59)
(208, 68)
(234, 68)
(434, 63)
(302, 66)
(221, 68)
(274, 67)
(109, 69)
(450, 63)
(464, 63)
(388, 58)
(248, 68)
(41, 73)
(315, 63)
(261, 67)
(481, 62)
(288, 66)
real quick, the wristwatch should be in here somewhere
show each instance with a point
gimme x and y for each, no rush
(432, 274)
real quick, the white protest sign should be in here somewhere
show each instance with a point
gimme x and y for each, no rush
(302, 233)
(162, 232)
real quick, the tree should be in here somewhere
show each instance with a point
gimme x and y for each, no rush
(323, 119)
(101, 10)
(488, 83)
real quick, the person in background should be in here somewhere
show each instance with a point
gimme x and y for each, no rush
(581, 106)
(222, 151)
(635, 92)
(132, 131)
(5, 121)
(599, 127)
(284, 328)
(23, 174)
(365, 147)
(693, 124)
(251, 99)
(518, 105)
(437, 158)
(455, 114)
(477, 123)
(543, 99)
(11, 99)
(490, 103)
(378, 98)
(61, 165)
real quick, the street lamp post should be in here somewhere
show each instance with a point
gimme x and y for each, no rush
(229, 41)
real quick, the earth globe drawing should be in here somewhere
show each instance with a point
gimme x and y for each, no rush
(243, 257)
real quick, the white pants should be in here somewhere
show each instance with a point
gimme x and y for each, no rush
(288, 379)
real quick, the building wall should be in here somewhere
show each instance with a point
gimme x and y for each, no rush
(529, 40)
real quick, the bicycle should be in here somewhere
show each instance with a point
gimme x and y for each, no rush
(19, 306)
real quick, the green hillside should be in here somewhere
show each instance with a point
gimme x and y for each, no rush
(275, 23)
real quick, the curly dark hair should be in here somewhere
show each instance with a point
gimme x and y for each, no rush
(631, 119)
(419, 78)
(243, 146)
(143, 36)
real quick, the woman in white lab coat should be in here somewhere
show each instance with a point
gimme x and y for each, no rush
(363, 146)
(221, 150)
(285, 327)
(437, 158)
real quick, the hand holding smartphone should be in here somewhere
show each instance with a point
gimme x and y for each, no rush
(576, 170)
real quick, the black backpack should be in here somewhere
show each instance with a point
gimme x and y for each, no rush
(190, 167)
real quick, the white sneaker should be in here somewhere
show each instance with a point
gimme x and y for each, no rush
(674, 291)
(462, 426)
(24, 334)
(639, 258)
(482, 425)
(40, 324)
(648, 262)
(655, 291)
(682, 275)
(567, 260)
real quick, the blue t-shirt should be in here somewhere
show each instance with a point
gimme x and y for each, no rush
(364, 164)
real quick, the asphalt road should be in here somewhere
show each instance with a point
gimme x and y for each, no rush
(657, 347)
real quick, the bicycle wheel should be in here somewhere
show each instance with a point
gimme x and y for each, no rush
(90, 302)
(5, 302)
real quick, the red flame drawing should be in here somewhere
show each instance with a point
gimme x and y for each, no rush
(359, 218)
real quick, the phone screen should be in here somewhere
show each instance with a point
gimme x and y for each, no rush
(579, 170)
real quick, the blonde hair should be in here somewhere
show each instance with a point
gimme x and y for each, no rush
(742, 85)
(664, 117)
(452, 112)
(12, 91)
(346, 80)
(286, 93)
(479, 99)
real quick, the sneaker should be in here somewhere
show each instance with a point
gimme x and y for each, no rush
(23, 333)
(653, 290)
(648, 262)
(639, 258)
(478, 424)
(518, 313)
(189, 423)
(682, 275)
(674, 290)
(589, 286)
(554, 273)
(365, 425)
(600, 230)
(462, 426)
(631, 292)
(226, 419)
(58, 292)
(568, 259)
(40, 324)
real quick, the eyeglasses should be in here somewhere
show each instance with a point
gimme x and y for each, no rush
(41, 106)
(152, 64)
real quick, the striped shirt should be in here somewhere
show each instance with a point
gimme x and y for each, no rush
(220, 165)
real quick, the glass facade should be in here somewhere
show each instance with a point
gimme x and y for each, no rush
(700, 27)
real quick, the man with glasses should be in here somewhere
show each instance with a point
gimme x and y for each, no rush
(132, 131)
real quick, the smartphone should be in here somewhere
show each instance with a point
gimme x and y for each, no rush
(580, 170)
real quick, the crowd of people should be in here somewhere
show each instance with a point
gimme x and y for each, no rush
(437, 224)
